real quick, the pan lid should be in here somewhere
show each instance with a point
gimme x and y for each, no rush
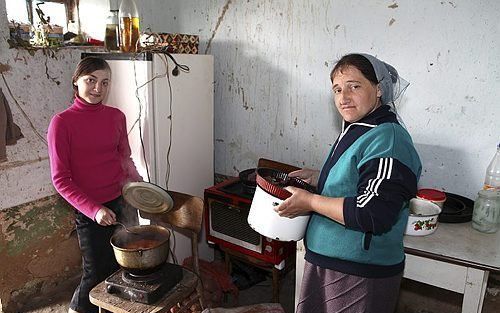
(456, 209)
(147, 197)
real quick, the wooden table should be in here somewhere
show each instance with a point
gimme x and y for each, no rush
(455, 257)
(105, 301)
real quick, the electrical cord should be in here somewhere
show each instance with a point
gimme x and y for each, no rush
(138, 121)
(175, 72)
(181, 67)
(170, 130)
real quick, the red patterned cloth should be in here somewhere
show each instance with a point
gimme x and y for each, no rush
(216, 281)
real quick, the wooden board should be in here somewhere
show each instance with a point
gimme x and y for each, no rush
(112, 303)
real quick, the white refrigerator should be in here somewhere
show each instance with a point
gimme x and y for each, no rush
(168, 102)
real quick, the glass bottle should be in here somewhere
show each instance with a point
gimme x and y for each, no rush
(492, 179)
(112, 32)
(129, 26)
(485, 216)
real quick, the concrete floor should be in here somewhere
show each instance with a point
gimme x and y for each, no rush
(414, 297)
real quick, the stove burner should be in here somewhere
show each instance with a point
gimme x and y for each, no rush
(147, 288)
(239, 189)
(143, 279)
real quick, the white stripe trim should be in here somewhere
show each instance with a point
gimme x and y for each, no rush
(345, 132)
(384, 172)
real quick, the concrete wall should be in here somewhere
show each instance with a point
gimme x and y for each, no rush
(37, 254)
(273, 58)
(272, 91)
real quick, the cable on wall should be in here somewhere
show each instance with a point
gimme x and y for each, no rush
(42, 139)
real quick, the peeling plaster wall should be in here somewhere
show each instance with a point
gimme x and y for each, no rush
(272, 91)
(272, 64)
(37, 254)
(40, 85)
(37, 251)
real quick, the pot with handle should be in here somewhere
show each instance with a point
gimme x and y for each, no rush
(143, 251)
(269, 193)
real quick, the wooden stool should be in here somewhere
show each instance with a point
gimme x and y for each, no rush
(276, 273)
(106, 301)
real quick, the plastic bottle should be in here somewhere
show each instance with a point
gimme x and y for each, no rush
(492, 179)
(129, 26)
(112, 32)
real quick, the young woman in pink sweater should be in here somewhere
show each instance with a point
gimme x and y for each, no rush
(90, 162)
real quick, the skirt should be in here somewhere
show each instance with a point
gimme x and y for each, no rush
(329, 291)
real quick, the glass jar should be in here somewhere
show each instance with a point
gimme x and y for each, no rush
(485, 216)
(129, 26)
(112, 32)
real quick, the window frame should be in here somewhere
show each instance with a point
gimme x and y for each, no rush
(71, 7)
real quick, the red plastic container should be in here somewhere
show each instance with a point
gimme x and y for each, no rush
(434, 195)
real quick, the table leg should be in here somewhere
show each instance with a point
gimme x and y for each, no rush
(299, 269)
(276, 285)
(475, 288)
(227, 265)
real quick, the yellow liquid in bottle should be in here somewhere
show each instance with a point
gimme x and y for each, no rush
(129, 34)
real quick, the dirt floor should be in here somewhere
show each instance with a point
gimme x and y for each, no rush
(414, 298)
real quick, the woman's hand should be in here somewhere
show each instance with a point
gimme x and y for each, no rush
(298, 203)
(302, 202)
(308, 175)
(105, 217)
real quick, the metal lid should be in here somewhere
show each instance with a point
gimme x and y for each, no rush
(431, 194)
(147, 197)
(489, 193)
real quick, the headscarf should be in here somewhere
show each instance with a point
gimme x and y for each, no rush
(390, 83)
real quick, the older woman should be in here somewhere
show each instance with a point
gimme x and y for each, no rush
(354, 240)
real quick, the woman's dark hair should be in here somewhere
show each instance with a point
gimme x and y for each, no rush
(358, 61)
(87, 66)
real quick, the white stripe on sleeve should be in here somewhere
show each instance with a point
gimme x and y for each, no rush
(371, 190)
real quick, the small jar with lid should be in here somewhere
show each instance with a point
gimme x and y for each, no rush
(433, 195)
(486, 213)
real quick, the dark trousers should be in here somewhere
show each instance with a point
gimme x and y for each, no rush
(98, 260)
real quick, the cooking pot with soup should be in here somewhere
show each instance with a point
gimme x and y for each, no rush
(141, 249)
(269, 193)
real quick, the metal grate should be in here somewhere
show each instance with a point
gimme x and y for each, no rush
(232, 221)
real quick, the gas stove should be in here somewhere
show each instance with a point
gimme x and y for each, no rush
(144, 288)
(227, 205)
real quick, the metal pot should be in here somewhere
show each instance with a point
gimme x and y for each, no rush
(142, 250)
(269, 193)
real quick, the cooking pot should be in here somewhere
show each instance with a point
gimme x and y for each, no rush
(141, 250)
(269, 193)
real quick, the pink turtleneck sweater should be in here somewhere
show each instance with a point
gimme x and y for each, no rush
(90, 155)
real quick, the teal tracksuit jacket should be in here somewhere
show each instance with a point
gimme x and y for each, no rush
(375, 167)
